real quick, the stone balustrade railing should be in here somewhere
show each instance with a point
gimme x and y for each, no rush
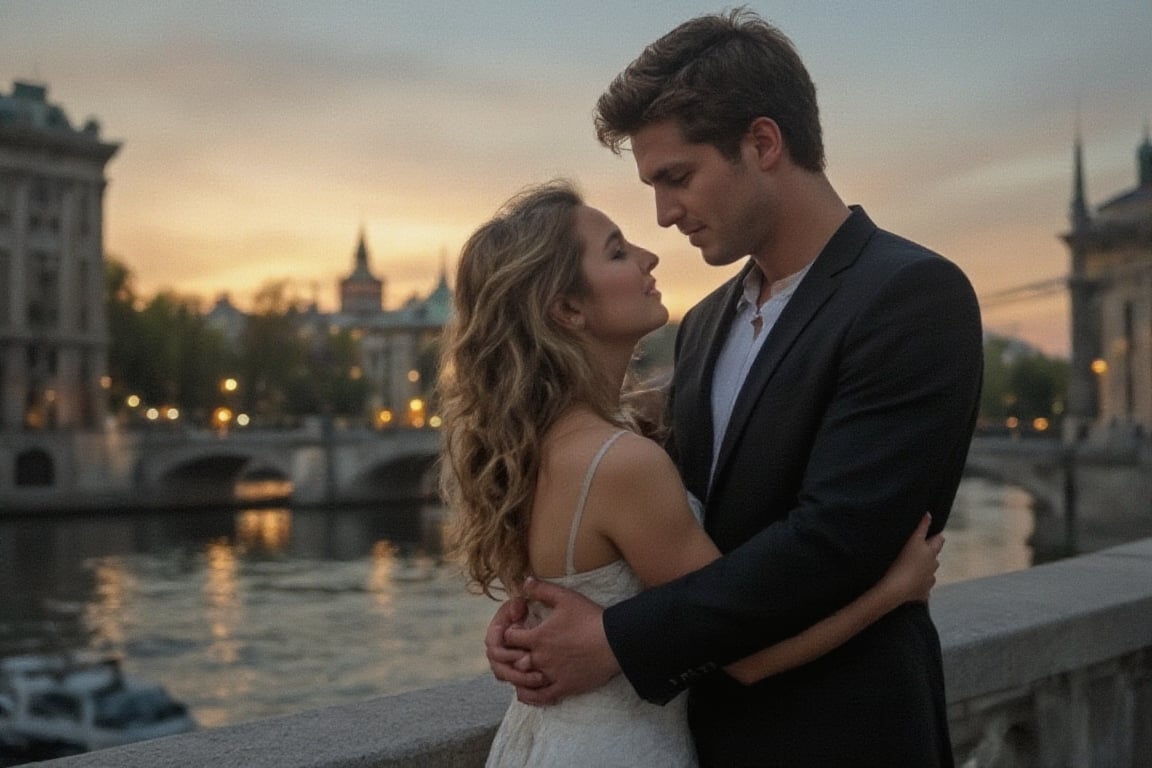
(1051, 666)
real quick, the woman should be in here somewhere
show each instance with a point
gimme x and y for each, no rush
(548, 477)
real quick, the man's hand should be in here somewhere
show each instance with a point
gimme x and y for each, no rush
(507, 663)
(569, 648)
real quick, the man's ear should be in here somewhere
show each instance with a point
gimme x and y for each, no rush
(767, 142)
(567, 313)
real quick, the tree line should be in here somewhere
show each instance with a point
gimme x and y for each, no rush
(287, 363)
(163, 353)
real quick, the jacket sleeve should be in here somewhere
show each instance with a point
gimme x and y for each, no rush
(891, 445)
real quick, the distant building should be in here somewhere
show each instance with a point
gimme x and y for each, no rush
(227, 319)
(53, 335)
(398, 348)
(1110, 390)
(361, 293)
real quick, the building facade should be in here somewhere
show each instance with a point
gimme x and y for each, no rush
(398, 348)
(1110, 284)
(53, 335)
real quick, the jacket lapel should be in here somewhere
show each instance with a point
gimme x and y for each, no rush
(713, 330)
(814, 291)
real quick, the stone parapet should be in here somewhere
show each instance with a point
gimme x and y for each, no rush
(1051, 666)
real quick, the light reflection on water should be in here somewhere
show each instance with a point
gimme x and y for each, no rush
(257, 613)
(988, 532)
(249, 614)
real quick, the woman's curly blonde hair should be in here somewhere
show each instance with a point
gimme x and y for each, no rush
(508, 371)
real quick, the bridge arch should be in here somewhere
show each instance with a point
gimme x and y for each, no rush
(213, 473)
(409, 475)
(1037, 466)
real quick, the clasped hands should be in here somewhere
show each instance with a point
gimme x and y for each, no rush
(565, 654)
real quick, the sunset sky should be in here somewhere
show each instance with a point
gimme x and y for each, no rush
(260, 137)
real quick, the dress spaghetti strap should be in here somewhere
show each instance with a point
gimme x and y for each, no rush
(569, 565)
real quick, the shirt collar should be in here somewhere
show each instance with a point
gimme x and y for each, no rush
(781, 289)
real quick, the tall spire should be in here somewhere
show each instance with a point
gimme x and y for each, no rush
(361, 252)
(361, 292)
(1079, 209)
(1144, 159)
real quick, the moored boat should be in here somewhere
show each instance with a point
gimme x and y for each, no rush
(71, 704)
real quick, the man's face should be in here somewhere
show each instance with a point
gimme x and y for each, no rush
(719, 204)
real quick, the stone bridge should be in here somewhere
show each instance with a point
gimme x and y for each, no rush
(169, 470)
(1086, 496)
(353, 465)
(321, 465)
(1038, 465)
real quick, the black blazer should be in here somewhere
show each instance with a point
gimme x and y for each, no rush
(854, 420)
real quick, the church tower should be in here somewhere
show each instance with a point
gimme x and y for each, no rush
(1082, 405)
(361, 293)
(1110, 390)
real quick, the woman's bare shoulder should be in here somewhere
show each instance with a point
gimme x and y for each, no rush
(634, 463)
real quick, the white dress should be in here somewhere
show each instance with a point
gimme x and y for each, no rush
(610, 726)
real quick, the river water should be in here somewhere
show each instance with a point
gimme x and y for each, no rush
(249, 614)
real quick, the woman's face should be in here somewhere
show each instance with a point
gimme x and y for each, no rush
(622, 303)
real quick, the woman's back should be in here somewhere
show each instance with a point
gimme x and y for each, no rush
(610, 725)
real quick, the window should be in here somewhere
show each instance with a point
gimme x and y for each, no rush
(56, 706)
(84, 219)
(5, 288)
(40, 194)
(1129, 358)
(43, 284)
(35, 468)
(123, 707)
(82, 321)
(6, 186)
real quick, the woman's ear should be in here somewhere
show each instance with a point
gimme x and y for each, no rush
(567, 313)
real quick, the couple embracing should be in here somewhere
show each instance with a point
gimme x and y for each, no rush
(752, 590)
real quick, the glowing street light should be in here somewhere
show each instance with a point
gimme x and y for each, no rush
(416, 412)
(221, 418)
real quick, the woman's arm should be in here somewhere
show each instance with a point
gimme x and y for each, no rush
(638, 502)
(910, 578)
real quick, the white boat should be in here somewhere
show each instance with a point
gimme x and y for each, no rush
(69, 705)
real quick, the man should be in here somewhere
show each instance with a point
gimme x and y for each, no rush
(822, 401)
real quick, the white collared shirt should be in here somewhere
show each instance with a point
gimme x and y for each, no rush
(743, 345)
